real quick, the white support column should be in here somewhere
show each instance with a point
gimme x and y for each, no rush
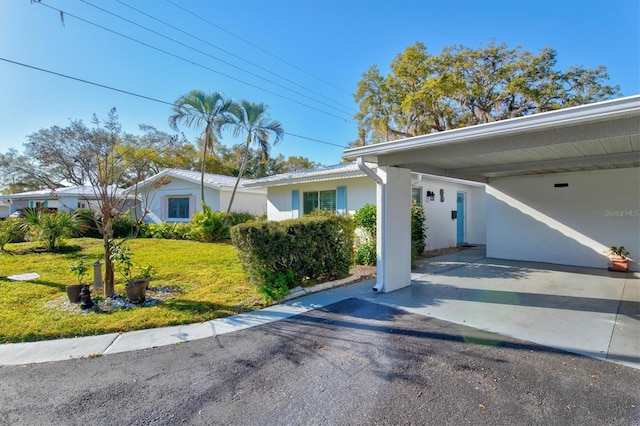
(394, 229)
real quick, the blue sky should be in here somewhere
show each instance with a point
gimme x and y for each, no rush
(315, 52)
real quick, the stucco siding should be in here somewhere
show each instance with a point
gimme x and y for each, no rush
(360, 191)
(441, 230)
(244, 202)
(565, 218)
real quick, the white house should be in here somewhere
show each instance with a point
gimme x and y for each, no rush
(4, 209)
(174, 195)
(455, 209)
(65, 199)
(562, 186)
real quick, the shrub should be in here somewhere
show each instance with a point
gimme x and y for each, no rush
(418, 228)
(52, 228)
(365, 218)
(166, 230)
(294, 252)
(365, 250)
(11, 231)
(124, 226)
(209, 226)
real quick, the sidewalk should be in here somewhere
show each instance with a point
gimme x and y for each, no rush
(581, 310)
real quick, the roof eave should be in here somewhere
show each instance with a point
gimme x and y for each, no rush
(600, 111)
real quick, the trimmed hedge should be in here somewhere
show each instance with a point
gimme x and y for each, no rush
(278, 256)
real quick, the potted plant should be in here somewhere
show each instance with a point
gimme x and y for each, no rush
(618, 258)
(135, 287)
(145, 272)
(81, 269)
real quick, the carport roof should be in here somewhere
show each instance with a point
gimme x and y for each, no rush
(603, 135)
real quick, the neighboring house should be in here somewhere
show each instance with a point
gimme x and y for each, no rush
(64, 199)
(4, 209)
(562, 186)
(455, 217)
(174, 195)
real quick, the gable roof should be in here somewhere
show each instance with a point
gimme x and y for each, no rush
(337, 171)
(210, 180)
(82, 191)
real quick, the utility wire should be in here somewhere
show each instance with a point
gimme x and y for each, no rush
(257, 47)
(104, 86)
(211, 56)
(195, 63)
(351, 110)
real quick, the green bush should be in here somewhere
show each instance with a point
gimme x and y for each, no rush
(124, 226)
(365, 253)
(365, 218)
(209, 226)
(52, 228)
(365, 248)
(418, 228)
(166, 231)
(11, 231)
(295, 251)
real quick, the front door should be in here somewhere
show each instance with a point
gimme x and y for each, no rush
(460, 219)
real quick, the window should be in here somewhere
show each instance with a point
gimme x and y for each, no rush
(178, 208)
(321, 200)
(416, 195)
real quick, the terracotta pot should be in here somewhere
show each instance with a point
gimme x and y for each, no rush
(618, 264)
(136, 291)
(73, 292)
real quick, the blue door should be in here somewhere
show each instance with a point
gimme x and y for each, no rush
(460, 219)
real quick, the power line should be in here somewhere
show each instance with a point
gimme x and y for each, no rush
(233, 55)
(258, 47)
(66, 14)
(210, 56)
(104, 86)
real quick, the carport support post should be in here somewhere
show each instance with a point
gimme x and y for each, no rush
(394, 229)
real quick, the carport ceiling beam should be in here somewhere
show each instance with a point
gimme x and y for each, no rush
(627, 159)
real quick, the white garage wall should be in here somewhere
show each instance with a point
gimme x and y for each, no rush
(530, 219)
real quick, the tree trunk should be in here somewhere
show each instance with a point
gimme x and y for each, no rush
(109, 278)
(243, 165)
(204, 162)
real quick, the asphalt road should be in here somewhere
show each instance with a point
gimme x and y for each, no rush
(351, 363)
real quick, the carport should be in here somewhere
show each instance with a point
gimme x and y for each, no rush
(562, 186)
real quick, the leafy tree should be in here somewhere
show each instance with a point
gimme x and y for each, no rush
(459, 87)
(91, 157)
(196, 109)
(253, 120)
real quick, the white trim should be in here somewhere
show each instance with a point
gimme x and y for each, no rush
(591, 113)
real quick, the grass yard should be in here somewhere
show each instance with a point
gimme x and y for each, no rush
(209, 277)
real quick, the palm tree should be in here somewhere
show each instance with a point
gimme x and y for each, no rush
(197, 108)
(255, 122)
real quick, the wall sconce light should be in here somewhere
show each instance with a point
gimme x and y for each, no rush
(431, 195)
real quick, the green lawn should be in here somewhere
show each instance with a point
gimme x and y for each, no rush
(209, 276)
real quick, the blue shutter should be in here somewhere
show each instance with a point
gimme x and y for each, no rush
(295, 203)
(341, 200)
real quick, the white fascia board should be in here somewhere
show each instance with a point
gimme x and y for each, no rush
(306, 179)
(582, 114)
